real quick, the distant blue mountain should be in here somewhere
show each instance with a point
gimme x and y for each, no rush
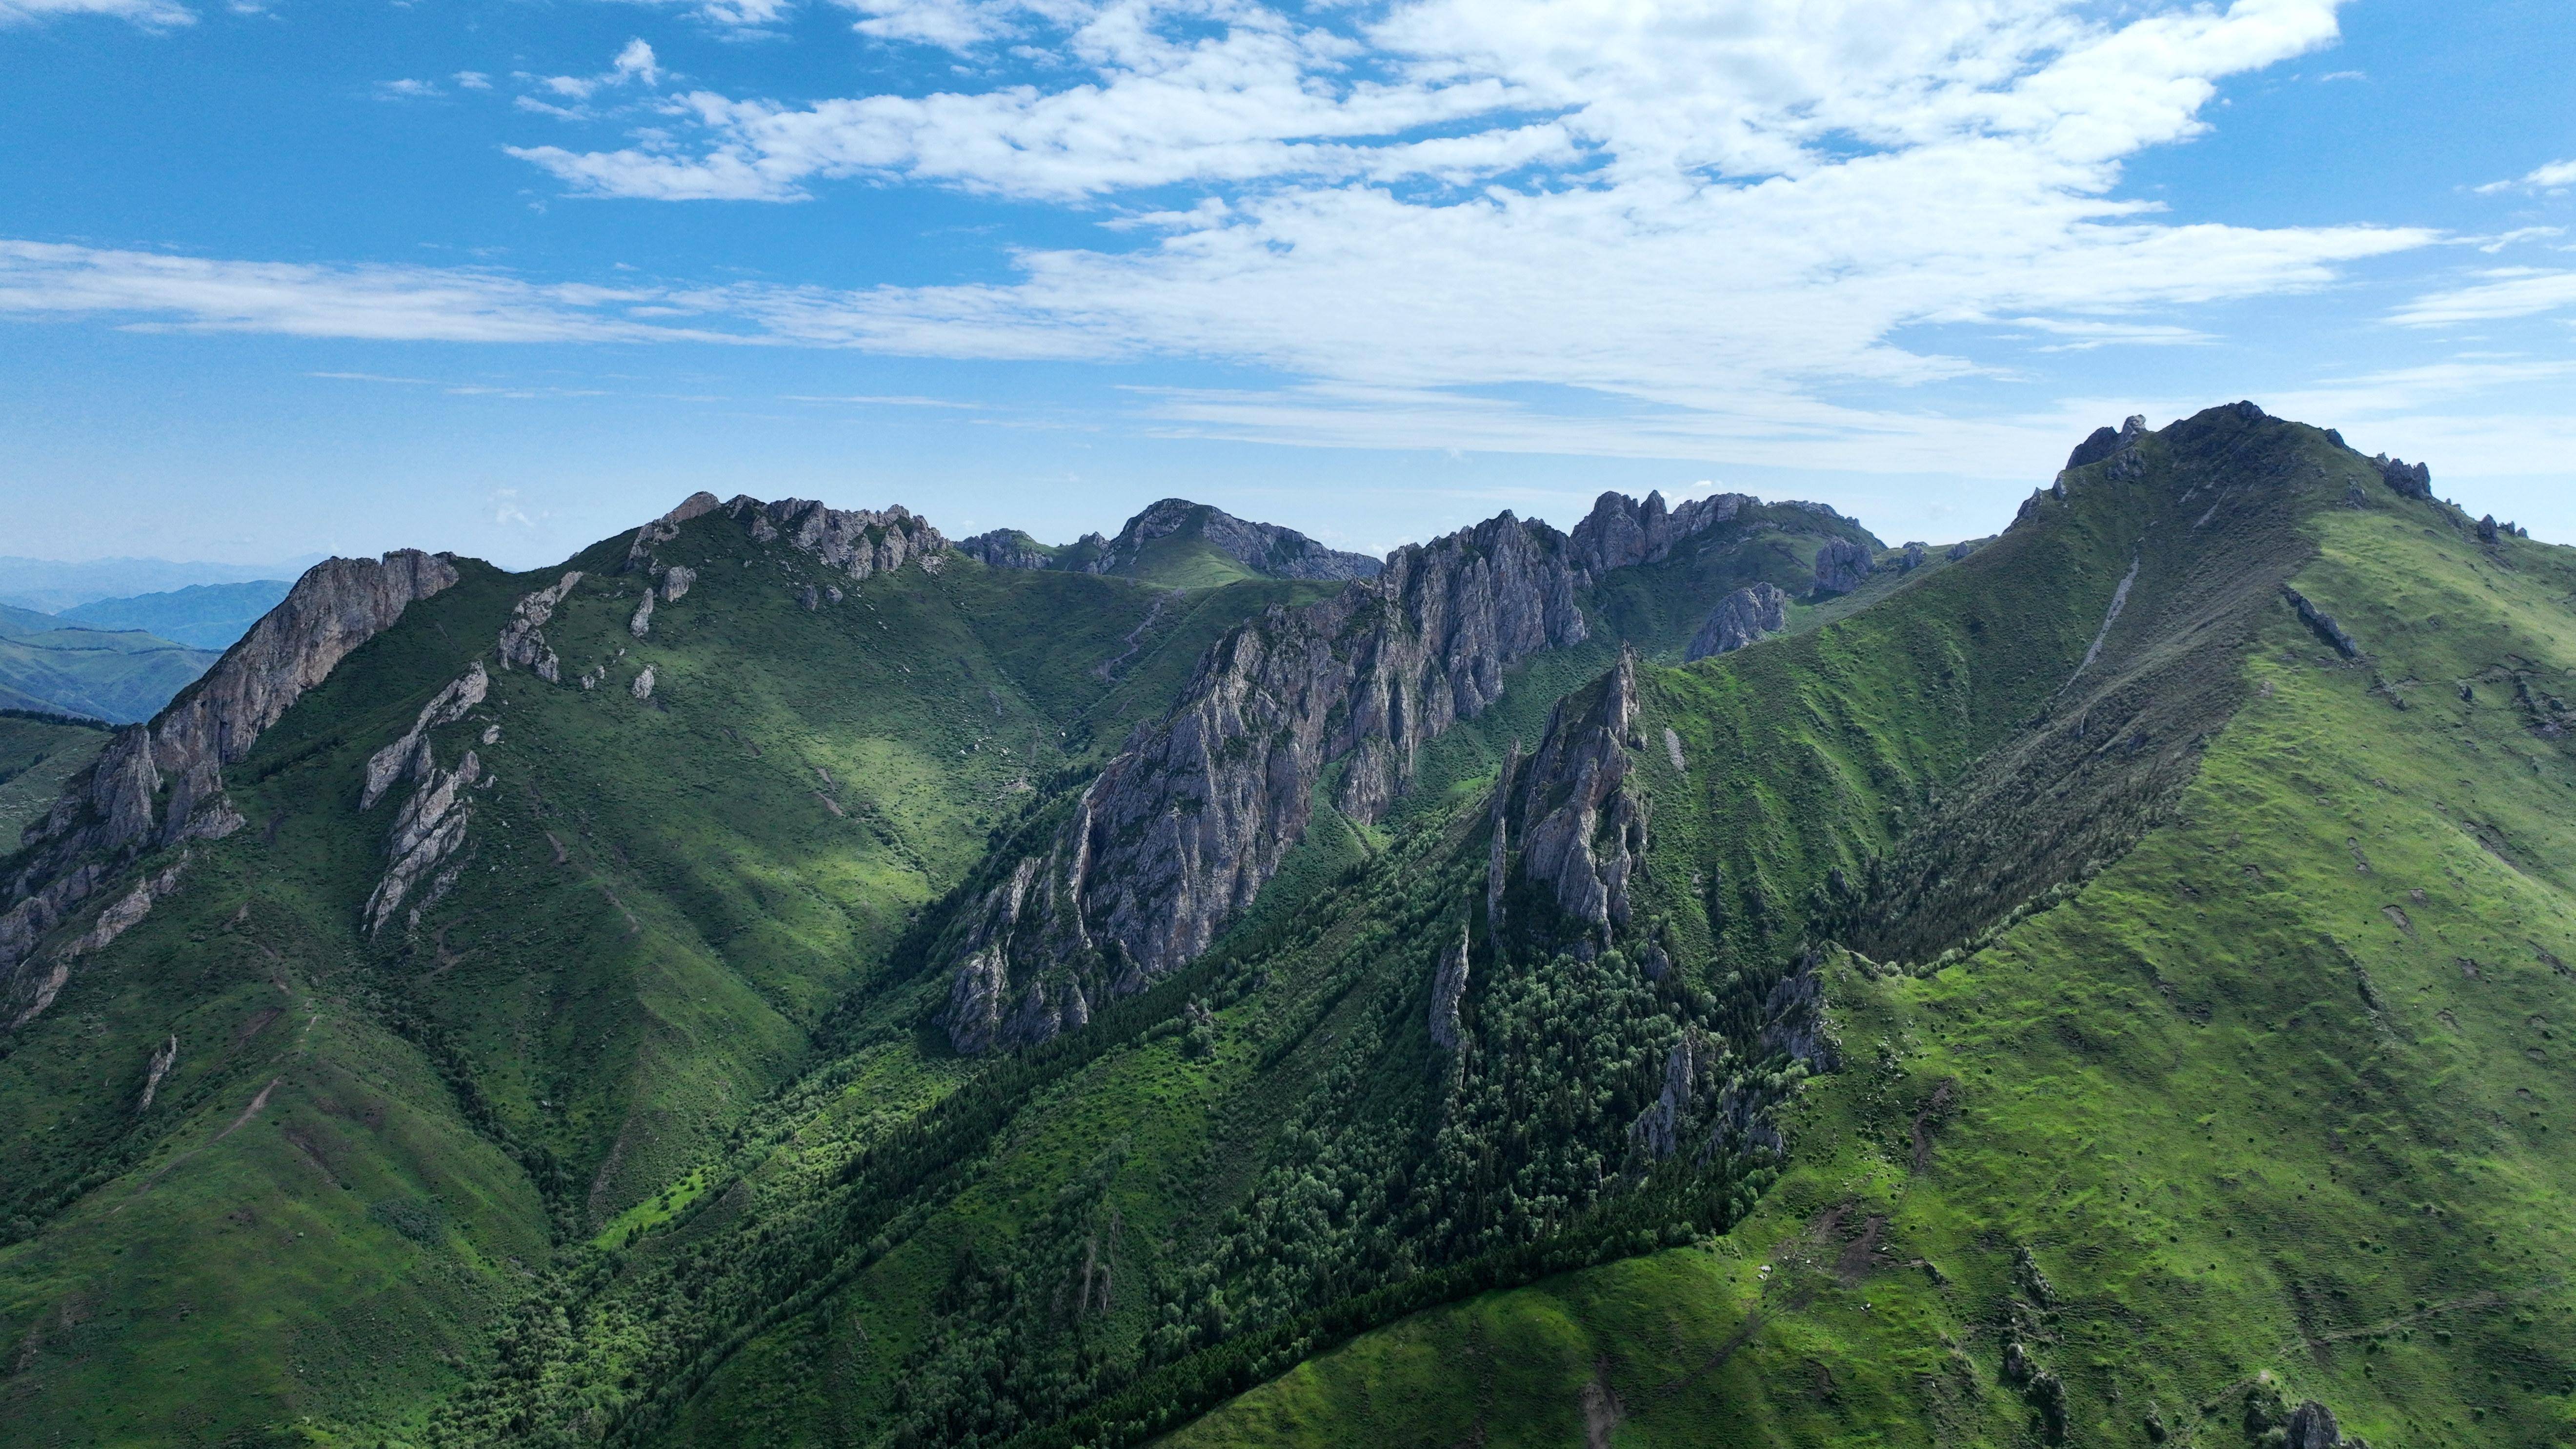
(51, 586)
(203, 616)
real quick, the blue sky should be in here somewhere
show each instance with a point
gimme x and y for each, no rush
(504, 276)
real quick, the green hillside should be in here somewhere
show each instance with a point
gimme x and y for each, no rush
(2261, 1111)
(120, 676)
(2091, 987)
(201, 616)
(39, 754)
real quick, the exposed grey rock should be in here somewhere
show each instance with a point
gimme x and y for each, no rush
(832, 594)
(1794, 1020)
(427, 832)
(639, 554)
(2404, 479)
(1181, 830)
(2487, 529)
(1743, 617)
(2322, 623)
(1448, 993)
(1498, 859)
(1007, 548)
(1689, 1070)
(642, 624)
(2102, 443)
(1583, 836)
(1961, 550)
(1913, 556)
(523, 639)
(1673, 750)
(676, 580)
(164, 1057)
(642, 688)
(404, 756)
(809, 598)
(119, 917)
(2312, 1426)
(858, 541)
(1841, 566)
(591, 677)
(116, 809)
(1620, 531)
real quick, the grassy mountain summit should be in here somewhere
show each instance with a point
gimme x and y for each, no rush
(1179, 544)
(2136, 931)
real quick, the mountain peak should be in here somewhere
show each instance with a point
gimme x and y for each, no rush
(1177, 541)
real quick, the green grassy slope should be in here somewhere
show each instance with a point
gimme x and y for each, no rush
(2272, 1105)
(367, 1147)
(121, 676)
(38, 754)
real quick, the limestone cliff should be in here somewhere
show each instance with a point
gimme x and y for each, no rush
(1746, 616)
(160, 783)
(1182, 830)
(1582, 831)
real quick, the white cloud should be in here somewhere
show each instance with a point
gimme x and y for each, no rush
(472, 80)
(152, 14)
(2549, 177)
(2506, 292)
(633, 64)
(739, 16)
(406, 90)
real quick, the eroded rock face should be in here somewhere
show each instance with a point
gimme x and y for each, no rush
(2406, 480)
(405, 756)
(1181, 830)
(1841, 566)
(1620, 531)
(163, 1059)
(427, 834)
(1449, 993)
(639, 554)
(1583, 836)
(115, 810)
(860, 542)
(1749, 615)
(1007, 548)
(523, 639)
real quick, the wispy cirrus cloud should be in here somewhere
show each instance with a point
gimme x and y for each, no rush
(2549, 177)
(2505, 292)
(151, 14)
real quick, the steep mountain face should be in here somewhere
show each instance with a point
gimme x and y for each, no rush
(160, 784)
(1177, 541)
(2197, 1093)
(2031, 994)
(1181, 831)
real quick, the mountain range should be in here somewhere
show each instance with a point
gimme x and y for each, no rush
(1704, 976)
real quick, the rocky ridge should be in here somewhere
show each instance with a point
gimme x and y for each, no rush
(1267, 549)
(1181, 830)
(117, 808)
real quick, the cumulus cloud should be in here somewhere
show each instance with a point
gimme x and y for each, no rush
(152, 14)
(729, 15)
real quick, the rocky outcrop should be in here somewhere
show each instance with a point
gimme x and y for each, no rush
(523, 639)
(641, 624)
(1794, 1020)
(1841, 566)
(2312, 1426)
(1747, 616)
(41, 987)
(860, 542)
(2406, 480)
(407, 757)
(160, 783)
(1690, 1070)
(642, 688)
(164, 1057)
(427, 834)
(1182, 829)
(675, 582)
(1008, 548)
(1583, 836)
(1620, 531)
(1449, 994)
(639, 553)
(2322, 624)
